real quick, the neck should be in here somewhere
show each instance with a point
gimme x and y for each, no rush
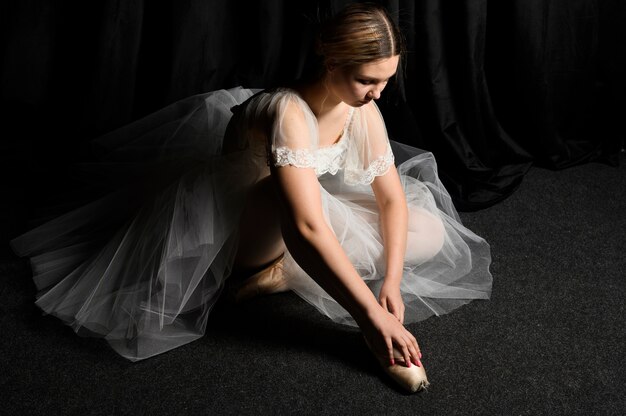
(319, 98)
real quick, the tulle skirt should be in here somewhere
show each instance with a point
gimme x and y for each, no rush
(143, 265)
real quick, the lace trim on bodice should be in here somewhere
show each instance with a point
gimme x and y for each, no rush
(330, 160)
(325, 160)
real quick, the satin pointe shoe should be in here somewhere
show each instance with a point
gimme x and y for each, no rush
(411, 378)
(271, 279)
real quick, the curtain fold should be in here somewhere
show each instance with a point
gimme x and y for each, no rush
(490, 87)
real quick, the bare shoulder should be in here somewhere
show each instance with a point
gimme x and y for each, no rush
(372, 119)
(293, 125)
(291, 110)
(371, 111)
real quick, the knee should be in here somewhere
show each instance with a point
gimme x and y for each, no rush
(437, 233)
(425, 238)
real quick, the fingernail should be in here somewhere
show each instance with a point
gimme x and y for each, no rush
(408, 363)
(419, 353)
(419, 363)
(392, 361)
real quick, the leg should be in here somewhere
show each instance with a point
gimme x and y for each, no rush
(425, 236)
(260, 238)
(261, 245)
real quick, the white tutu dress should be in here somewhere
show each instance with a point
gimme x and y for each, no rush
(143, 265)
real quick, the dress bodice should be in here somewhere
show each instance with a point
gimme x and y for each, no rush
(282, 122)
(326, 159)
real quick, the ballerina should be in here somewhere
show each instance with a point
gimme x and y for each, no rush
(298, 182)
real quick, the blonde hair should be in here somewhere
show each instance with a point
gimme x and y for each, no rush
(358, 34)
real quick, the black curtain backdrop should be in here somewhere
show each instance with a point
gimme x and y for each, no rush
(490, 87)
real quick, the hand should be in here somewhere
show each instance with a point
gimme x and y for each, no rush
(383, 332)
(391, 300)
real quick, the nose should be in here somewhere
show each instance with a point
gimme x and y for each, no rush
(374, 93)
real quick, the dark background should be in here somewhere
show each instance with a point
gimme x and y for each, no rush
(499, 90)
(491, 87)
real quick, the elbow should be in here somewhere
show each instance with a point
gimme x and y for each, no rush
(397, 206)
(309, 228)
(303, 233)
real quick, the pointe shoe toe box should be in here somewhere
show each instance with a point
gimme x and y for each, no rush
(411, 378)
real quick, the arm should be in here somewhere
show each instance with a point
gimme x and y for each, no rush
(393, 223)
(393, 213)
(313, 244)
(315, 247)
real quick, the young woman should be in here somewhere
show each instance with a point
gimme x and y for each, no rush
(296, 182)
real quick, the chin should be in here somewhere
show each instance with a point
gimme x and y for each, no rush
(360, 103)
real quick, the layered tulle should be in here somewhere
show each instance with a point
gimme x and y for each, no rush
(143, 266)
(446, 264)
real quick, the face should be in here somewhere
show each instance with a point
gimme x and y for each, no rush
(358, 85)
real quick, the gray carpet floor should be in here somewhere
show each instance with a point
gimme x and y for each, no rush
(551, 341)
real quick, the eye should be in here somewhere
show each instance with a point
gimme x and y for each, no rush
(364, 81)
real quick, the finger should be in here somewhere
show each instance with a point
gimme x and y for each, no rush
(392, 361)
(407, 355)
(417, 348)
(401, 314)
(383, 303)
(414, 353)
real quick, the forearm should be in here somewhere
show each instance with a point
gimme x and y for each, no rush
(393, 223)
(318, 252)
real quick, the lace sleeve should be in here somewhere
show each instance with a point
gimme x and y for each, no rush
(369, 154)
(294, 137)
(300, 158)
(377, 167)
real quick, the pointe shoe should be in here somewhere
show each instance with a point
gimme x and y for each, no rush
(411, 378)
(270, 280)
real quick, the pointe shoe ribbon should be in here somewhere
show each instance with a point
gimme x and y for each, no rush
(411, 378)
